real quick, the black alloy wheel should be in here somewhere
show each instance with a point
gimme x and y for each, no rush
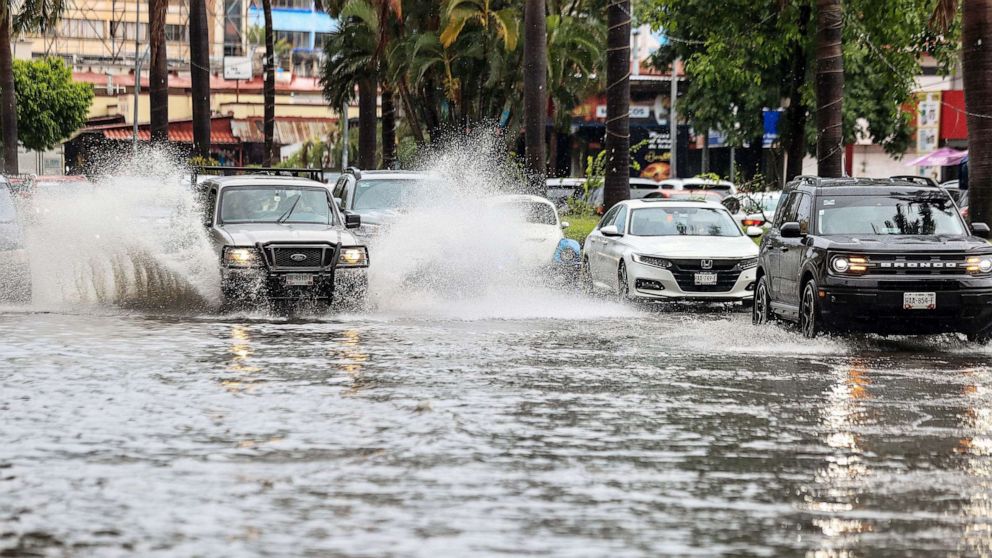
(809, 311)
(761, 310)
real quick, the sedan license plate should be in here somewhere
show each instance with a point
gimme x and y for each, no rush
(919, 301)
(299, 279)
(706, 278)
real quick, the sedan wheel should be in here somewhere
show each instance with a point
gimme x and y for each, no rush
(585, 276)
(623, 285)
(761, 311)
(809, 312)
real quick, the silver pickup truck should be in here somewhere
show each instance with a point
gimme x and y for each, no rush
(282, 240)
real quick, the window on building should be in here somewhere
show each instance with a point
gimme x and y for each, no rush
(320, 39)
(83, 28)
(296, 4)
(125, 30)
(296, 39)
(178, 33)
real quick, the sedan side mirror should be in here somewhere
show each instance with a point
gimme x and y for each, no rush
(565, 224)
(754, 232)
(352, 221)
(790, 230)
(980, 229)
(610, 230)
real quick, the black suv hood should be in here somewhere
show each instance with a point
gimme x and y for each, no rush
(905, 244)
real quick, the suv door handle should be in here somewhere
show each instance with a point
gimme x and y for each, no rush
(784, 248)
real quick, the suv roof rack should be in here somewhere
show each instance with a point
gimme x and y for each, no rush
(916, 179)
(312, 174)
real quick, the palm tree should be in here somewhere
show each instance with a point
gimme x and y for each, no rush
(32, 15)
(535, 89)
(158, 71)
(269, 88)
(829, 88)
(617, 183)
(976, 61)
(199, 50)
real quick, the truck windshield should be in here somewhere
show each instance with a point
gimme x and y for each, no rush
(683, 221)
(274, 204)
(911, 214)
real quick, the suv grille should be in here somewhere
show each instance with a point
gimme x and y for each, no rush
(300, 257)
(916, 264)
(685, 272)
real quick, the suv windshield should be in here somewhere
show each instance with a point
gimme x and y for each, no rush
(396, 193)
(682, 221)
(7, 214)
(275, 204)
(910, 214)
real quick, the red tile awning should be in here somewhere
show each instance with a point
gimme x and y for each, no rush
(179, 132)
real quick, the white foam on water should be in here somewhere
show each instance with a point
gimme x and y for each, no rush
(132, 239)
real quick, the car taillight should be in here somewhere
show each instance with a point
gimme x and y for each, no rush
(752, 222)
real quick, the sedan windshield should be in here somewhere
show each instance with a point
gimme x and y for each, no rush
(274, 204)
(395, 193)
(537, 213)
(910, 214)
(682, 221)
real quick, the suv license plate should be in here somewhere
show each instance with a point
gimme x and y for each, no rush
(299, 279)
(706, 278)
(919, 301)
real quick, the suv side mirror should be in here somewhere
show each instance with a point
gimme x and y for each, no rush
(980, 229)
(610, 230)
(352, 221)
(790, 230)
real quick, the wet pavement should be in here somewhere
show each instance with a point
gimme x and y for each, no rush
(615, 431)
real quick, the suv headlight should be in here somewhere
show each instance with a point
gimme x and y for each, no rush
(242, 256)
(353, 256)
(849, 265)
(653, 261)
(979, 264)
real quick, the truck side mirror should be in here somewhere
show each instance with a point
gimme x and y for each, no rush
(980, 230)
(352, 221)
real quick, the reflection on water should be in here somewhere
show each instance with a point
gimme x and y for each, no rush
(634, 433)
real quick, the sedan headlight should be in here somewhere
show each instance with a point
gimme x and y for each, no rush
(979, 264)
(653, 261)
(242, 256)
(353, 256)
(747, 264)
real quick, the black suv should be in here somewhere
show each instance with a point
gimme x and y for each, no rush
(890, 256)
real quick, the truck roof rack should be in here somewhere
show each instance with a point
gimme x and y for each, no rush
(312, 174)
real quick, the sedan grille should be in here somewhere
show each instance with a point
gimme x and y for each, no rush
(704, 265)
(725, 281)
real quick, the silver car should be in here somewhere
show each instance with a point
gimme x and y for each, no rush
(282, 240)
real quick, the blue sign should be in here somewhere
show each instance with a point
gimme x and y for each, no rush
(771, 119)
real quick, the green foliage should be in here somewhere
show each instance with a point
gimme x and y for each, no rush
(739, 58)
(197, 161)
(50, 106)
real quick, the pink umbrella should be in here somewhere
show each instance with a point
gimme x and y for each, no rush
(943, 157)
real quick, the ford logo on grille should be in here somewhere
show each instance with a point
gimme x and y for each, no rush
(298, 257)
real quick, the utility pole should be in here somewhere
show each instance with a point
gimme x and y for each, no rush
(673, 124)
(344, 136)
(137, 71)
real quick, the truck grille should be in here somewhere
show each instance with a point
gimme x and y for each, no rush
(916, 264)
(299, 257)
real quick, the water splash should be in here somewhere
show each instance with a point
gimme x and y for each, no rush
(130, 239)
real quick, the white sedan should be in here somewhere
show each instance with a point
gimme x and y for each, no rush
(660, 249)
(537, 232)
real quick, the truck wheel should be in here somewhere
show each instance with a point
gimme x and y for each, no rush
(809, 311)
(761, 307)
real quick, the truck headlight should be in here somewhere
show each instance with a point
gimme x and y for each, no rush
(653, 261)
(849, 265)
(240, 256)
(353, 256)
(979, 264)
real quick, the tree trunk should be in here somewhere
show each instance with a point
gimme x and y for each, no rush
(795, 116)
(199, 53)
(8, 100)
(976, 61)
(366, 121)
(829, 88)
(617, 186)
(158, 72)
(269, 88)
(388, 127)
(411, 116)
(706, 151)
(535, 91)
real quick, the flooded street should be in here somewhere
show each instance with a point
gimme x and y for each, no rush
(552, 426)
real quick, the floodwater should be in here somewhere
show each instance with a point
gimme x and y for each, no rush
(541, 424)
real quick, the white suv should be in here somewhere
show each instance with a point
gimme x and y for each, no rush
(662, 250)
